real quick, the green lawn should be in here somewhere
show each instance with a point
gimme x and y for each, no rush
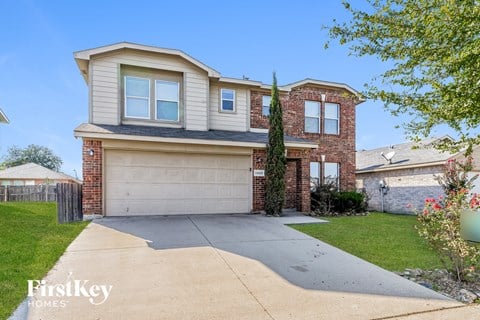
(31, 242)
(387, 240)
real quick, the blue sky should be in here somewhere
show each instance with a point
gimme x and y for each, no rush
(43, 94)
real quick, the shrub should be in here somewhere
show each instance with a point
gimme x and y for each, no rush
(350, 201)
(440, 220)
(326, 200)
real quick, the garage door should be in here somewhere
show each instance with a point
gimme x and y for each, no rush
(147, 183)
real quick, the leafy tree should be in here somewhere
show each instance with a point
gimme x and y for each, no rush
(33, 153)
(276, 161)
(434, 47)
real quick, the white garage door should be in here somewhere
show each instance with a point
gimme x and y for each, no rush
(147, 183)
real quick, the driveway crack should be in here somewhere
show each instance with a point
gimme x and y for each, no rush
(231, 269)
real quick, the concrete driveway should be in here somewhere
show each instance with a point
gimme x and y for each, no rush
(224, 267)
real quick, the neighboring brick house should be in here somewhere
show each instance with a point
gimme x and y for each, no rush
(410, 177)
(169, 135)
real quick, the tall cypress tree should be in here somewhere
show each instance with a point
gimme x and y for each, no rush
(276, 160)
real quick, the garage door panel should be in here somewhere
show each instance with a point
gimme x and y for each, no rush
(119, 191)
(231, 176)
(143, 183)
(230, 191)
(172, 207)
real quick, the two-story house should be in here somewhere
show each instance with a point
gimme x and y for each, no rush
(168, 134)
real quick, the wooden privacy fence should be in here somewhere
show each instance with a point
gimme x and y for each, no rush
(37, 193)
(69, 202)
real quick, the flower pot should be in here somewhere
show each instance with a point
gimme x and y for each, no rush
(470, 225)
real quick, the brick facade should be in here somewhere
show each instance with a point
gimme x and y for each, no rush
(336, 148)
(408, 188)
(258, 183)
(297, 180)
(92, 177)
(291, 184)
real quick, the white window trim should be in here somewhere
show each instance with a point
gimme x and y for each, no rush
(338, 174)
(233, 100)
(319, 116)
(137, 97)
(177, 101)
(338, 118)
(263, 114)
(319, 172)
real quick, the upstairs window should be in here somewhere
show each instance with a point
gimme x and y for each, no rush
(150, 96)
(167, 100)
(228, 100)
(331, 118)
(266, 105)
(137, 97)
(312, 116)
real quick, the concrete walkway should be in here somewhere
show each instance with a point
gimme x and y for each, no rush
(227, 267)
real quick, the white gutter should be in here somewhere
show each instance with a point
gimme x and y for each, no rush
(114, 136)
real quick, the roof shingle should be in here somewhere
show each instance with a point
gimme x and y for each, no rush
(406, 154)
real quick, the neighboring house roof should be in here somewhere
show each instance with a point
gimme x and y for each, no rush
(3, 117)
(83, 57)
(407, 155)
(33, 171)
(178, 135)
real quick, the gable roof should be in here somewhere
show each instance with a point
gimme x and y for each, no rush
(34, 171)
(82, 57)
(3, 117)
(322, 83)
(410, 154)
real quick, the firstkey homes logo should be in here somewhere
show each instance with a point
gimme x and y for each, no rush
(56, 295)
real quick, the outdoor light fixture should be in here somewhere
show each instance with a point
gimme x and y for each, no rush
(383, 188)
(322, 157)
(91, 152)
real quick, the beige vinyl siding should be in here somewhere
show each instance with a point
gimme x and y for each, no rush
(232, 121)
(104, 93)
(105, 98)
(196, 97)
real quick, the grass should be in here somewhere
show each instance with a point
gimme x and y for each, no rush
(31, 242)
(387, 240)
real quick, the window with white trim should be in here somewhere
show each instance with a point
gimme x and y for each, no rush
(331, 173)
(312, 116)
(266, 100)
(331, 121)
(227, 100)
(314, 174)
(152, 97)
(137, 97)
(167, 100)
